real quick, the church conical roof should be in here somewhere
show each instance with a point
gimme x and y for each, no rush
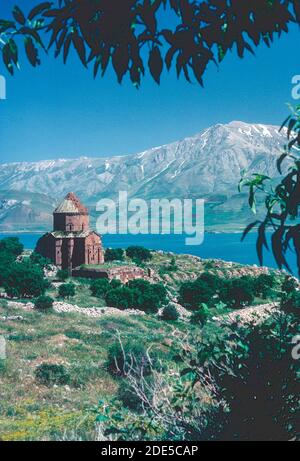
(71, 204)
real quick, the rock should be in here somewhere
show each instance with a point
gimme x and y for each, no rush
(12, 317)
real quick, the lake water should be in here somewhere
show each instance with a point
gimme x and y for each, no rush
(217, 246)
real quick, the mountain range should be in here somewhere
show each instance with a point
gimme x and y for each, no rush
(207, 165)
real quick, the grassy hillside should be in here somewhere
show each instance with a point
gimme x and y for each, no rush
(88, 395)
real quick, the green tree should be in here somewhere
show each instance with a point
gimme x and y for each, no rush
(148, 297)
(139, 253)
(114, 254)
(100, 287)
(193, 294)
(25, 279)
(264, 285)
(12, 246)
(37, 258)
(67, 290)
(122, 298)
(132, 36)
(239, 292)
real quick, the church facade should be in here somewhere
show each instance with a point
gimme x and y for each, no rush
(72, 243)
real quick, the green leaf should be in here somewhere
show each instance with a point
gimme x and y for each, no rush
(39, 9)
(19, 15)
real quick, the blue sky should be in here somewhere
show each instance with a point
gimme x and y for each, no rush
(60, 111)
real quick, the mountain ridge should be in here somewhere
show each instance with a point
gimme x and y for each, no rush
(206, 165)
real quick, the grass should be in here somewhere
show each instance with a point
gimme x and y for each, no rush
(31, 411)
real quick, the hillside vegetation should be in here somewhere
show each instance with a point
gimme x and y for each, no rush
(181, 356)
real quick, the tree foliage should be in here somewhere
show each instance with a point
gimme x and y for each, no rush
(132, 36)
(114, 254)
(67, 290)
(282, 200)
(137, 294)
(138, 253)
(25, 279)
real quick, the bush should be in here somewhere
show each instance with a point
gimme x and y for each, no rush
(137, 294)
(12, 246)
(170, 313)
(200, 316)
(25, 279)
(100, 287)
(122, 298)
(238, 292)
(129, 397)
(193, 294)
(40, 260)
(264, 285)
(50, 374)
(289, 284)
(290, 304)
(67, 290)
(43, 302)
(114, 254)
(115, 283)
(139, 253)
(130, 354)
(148, 297)
(63, 275)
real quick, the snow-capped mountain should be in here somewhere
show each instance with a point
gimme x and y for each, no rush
(207, 165)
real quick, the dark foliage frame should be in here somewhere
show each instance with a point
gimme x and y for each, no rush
(130, 34)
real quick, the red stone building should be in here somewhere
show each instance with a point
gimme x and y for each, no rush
(71, 243)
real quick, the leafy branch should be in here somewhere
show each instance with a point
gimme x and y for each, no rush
(282, 202)
(131, 36)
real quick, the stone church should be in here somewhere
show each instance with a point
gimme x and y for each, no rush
(71, 243)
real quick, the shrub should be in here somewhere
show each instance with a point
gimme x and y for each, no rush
(115, 283)
(129, 397)
(43, 302)
(25, 279)
(193, 294)
(100, 287)
(114, 254)
(12, 246)
(131, 354)
(289, 284)
(290, 304)
(138, 253)
(200, 316)
(214, 282)
(122, 298)
(148, 297)
(137, 294)
(170, 313)
(238, 292)
(50, 374)
(40, 260)
(63, 275)
(264, 285)
(67, 290)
